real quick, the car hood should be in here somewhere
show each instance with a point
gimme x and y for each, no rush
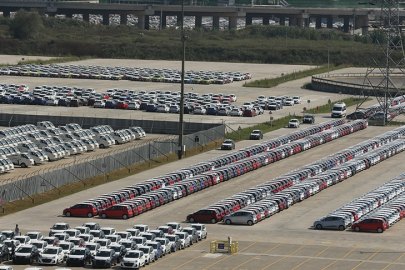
(130, 259)
(22, 254)
(227, 144)
(76, 256)
(48, 256)
(101, 258)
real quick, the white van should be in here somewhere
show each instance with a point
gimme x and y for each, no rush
(339, 110)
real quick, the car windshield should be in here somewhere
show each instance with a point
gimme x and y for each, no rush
(197, 227)
(126, 244)
(145, 250)
(337, 108)
(138, 240)
(227, 141)
(75, 241)
(24, 250)
(181, 236)
(161, 241)
(115, 248)
(102, 243)
(64, 246)
(50, 251)
(148, 236)
(59, 227)
(7, 234)
(77, 252)
(38, 245)
(32, 235)
(132, 255)
(308, 116)
(154, 245)
(91, 247)
(165, 230)
(103, 253)
(255, 132)
(96, 234)
(49, 241)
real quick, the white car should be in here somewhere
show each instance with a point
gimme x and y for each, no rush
(66, 247)
(133, 105)
(34, 235)
(185, 240)
(134, 259)
(294, 123)
(93, 247)
(99, 104)
(297, 100)
(148, 252)
(167, 246)
(175, 226)
(200, 110)
(201, 230)
(236, 112)
(39, 244)
(289, 102)
(51, 255)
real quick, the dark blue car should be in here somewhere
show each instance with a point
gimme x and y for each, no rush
(6, 99)
(151, 108)
(212, 111)
(111, 104)
(40, 101)
(18, 99)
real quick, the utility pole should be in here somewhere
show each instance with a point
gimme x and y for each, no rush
(181, 120)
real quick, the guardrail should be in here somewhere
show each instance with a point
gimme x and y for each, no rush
(231, 246)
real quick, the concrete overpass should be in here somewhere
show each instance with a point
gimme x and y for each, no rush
(297, 16)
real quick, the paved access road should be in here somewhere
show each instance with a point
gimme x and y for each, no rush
(284, 241)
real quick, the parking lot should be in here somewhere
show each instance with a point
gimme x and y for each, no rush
(284, 241)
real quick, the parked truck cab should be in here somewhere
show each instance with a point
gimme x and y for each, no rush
(23, 159)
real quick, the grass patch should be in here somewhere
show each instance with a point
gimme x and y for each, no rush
(264, 127)
(328, 107)
(69, 189)
(268, 83)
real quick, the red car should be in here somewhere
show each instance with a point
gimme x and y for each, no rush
(371, 224)
(205, 215)
(249, 112)
(81, 209)
(117, 211)
(122, 105)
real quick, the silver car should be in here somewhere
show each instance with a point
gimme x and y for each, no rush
(331, 222)
(241, 217)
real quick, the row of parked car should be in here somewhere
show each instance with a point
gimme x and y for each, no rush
(376, 111)
(273, 196)
(376, 210)
(125, 73)
(134, 248)
(138, 198)
(230, 206)
(29, 145)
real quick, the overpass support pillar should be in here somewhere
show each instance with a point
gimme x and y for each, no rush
(364, 29)
(215, 22)
(249, 19)
(266, 20)
(233, 23)
(329, 23)
(147, 22)
(300, 22)
(6, 14)
(164, 21)
(69, 15)
(318, 24)
(306, 22)
(346, 22)
(282, 20)
(123, 19)
(358, 22)
(86, 17)
(293, 21)
(106, 19)
(198, 21)
(141, 21)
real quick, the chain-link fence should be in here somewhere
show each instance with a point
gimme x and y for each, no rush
(53, 177)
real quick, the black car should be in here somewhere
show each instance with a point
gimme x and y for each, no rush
(308, 118)
(79, 256)
(26, 254)
(120, 251)
(105, 258)
(76, 103)
(256, 135)
(356, 115)
(63, 102)
(228, 145)
(4, 253)
(28, 101)
(188, 109)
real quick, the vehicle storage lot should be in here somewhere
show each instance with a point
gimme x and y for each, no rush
(258, 71)
(284, 241)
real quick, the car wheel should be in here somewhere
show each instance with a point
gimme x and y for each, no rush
(68, 214)
(89, 215)
(250, 223)
(192, 220)
(357, 228)
(213, 221)
(31, 260)
(23, 165)
(102, 146)
(379, 230)
(319, 226)
(341, 228)
(104, 215)
(175, 248)
(228, 221)
(124, 216)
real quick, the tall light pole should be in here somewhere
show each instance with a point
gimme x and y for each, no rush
(183, 59)
(328, 59)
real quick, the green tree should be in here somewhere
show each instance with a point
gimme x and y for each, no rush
(26, 25)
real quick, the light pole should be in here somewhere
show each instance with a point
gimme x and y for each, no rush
(328, 60)
(181, 124)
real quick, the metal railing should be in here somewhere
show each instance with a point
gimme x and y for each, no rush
(41, 180)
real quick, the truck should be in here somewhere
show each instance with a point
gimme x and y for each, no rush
(23, 159)
(27, 146)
